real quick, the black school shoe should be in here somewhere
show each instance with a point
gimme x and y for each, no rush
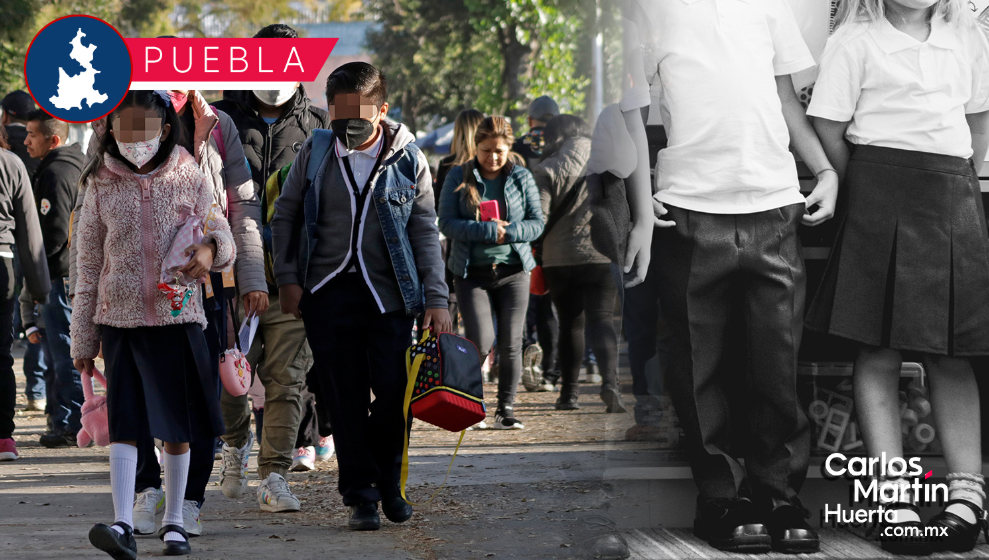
(396, 509)
(918, 545)
(174, 548)
(789, 530)
(732, 525)
(119, 547)
(959, 534)
(364, 517)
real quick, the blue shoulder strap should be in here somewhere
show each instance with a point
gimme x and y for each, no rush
(322, 140)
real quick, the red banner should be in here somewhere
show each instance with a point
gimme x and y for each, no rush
(219, 61)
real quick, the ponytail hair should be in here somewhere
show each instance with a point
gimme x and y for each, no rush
(489, 128)
(144, 99)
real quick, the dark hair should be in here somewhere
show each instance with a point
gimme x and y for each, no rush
(50, 126)
(145, 99)
(489, 127)
(561, 128)
(276, 31)
(360, 78)
(3, 138)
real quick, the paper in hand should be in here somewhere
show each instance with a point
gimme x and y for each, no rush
(246, 334)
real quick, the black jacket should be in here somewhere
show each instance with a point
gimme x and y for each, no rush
(56, 185)
(270, 147)
(15, 137)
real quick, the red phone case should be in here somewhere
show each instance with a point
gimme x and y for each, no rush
(489, 211)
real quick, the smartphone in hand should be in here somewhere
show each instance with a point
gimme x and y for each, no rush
(489, 211)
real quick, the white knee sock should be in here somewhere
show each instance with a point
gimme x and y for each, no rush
(176, 476)
(123, 471)
(968, 487)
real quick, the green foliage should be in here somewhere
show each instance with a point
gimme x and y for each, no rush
(442, 56)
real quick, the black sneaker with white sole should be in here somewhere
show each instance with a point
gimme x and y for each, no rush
(505, 420)
(120, 546)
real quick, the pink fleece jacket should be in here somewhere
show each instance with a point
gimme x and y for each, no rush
(125, 230)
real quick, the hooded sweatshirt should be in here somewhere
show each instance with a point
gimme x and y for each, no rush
(127, 227)
(230, 182)
(55, 188)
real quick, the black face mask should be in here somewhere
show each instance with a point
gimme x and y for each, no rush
(352, 132)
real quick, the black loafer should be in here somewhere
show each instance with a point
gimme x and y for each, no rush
(731, 525)
(956, 534)
(119, 547)
(917, 545)
(790, 532)
(174, 548)
(364, 517)
(396, 509)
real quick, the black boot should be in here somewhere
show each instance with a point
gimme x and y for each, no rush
(118, 546)
(957, 534)
(396, 509)
(732, 525)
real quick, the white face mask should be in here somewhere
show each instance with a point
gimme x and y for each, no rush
(139, 153)
(276, 97)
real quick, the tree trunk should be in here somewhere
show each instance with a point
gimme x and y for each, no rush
(517, 68)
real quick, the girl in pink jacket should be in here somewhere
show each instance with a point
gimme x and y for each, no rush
(157, 364)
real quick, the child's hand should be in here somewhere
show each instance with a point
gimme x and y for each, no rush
(501, 231)
(201, 261)
(659, 210)
(85, 366)
(255, 303)
(824, 196)
(438, 320)
(35, 337)
(289, 297)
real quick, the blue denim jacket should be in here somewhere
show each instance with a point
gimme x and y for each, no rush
(402, 195)
(459, 224)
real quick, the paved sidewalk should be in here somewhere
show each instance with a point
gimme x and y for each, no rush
(511, 494)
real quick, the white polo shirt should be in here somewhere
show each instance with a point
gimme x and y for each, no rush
(898, 92)
(717, 61)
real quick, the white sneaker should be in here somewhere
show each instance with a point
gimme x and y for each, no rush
(303, 459)
(325, 449)
(274, 495)
(190, 518)
(147, 504)
(233, 473)
(505, 420)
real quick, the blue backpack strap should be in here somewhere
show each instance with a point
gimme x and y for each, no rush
(322, 141)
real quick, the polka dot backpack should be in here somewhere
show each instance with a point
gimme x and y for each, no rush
(445, 388)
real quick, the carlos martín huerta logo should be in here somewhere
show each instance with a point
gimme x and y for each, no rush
(78, 68)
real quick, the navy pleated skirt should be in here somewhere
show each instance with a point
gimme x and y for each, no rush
(160, 383)
(910, 266)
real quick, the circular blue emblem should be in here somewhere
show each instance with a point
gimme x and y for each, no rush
(78, 68)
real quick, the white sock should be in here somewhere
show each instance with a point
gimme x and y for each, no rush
(968, 487)
(176, 476)
(123, 471)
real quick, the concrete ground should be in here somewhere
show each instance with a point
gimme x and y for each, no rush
(519, 494)
(560, 488)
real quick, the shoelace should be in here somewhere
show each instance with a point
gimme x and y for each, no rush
(232, 464)
(189, 507)
(147, 500)
(280, 488)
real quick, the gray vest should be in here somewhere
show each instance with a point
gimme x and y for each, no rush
(334, 226)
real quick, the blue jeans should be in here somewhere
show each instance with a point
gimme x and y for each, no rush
(35, 371)
(66, 386)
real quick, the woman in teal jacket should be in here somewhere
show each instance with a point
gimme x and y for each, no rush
(491, 259)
